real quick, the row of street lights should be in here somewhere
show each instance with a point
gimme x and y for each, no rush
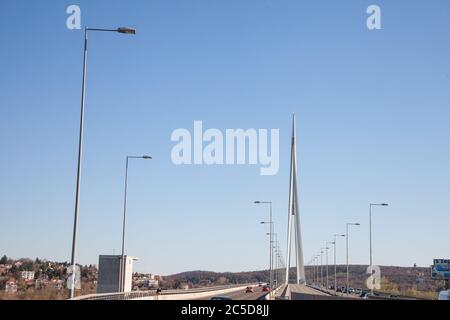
(270, 223)
(314, 260)
(277, 261)
(275, 273)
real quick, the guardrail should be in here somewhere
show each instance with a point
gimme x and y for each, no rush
(142, 294)
(378, 295)
(387, 296)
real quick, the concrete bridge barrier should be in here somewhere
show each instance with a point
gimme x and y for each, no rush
(189, 294)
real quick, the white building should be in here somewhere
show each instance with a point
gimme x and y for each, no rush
(10, 286)
(151, 283)
(27, 275)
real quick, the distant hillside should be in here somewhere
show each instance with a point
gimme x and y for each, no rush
(209, 278)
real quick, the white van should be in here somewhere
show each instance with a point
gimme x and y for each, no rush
(444, 295)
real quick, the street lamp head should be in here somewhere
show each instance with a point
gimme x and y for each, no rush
(263, 202)
(353, 224)
(379, 204)
(126, 30)
(147, 157)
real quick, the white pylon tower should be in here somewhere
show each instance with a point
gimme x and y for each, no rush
(293, 214)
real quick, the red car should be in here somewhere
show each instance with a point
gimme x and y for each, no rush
(265, 289)
(249, 290)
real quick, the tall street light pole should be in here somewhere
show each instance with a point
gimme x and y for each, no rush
(335, 268)
(275, 257)
(274, 260)
(270, 253)
(327, 262)
(314, 270)
(346, 237)
(313, 264)
(317, 269)
(370, 231)
(270, 236)
(280, 264)
(321, 267)
(272, 271)
(123, 264)
(275, 252)
(80, 149)
(274, 268)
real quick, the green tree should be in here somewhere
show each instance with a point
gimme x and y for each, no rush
(4, 260)
(84, 272)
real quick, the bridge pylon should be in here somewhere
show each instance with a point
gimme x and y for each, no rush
(293, 215)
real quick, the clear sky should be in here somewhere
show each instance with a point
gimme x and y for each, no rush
(372, 113)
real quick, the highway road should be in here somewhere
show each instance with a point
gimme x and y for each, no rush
(241, 294)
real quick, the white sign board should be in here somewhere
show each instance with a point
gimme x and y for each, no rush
(77, 277)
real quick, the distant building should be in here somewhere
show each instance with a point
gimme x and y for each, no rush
(149, 283)
(109, 271)
(27, 275)
(10, 287)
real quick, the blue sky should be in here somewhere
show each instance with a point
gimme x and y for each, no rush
(372, 122)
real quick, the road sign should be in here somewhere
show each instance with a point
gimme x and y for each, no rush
(440, 269)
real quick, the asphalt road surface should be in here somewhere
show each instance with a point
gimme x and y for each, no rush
(240, 294)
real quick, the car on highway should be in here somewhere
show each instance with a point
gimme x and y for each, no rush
(338, 289)
(265, 289)
(249, 290)
(368, 295)
(220, 298)
(358, 290)
(259, 284)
